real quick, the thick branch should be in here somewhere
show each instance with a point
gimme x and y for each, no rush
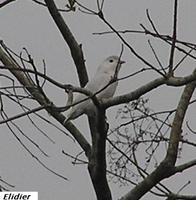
(6, 2)
(43, 100)
(176, 130)
(171, 81)
(75, 48)
(97, 161)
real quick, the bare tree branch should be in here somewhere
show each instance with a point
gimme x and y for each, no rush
(171, 81)
(22, 114)
(171, 59)
(43, 100)
(181, 168)
(173, 196)
(152, 131)
(97, 160)
(163, 37)
(167, 166)
(100, 14)
(176, 130)
(75, 48)
(6, 2)
(3, 114)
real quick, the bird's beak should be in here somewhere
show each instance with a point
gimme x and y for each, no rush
(122, 62)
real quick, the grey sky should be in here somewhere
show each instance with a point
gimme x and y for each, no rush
(26, 24)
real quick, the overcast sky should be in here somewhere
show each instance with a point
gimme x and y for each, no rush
(26, 24)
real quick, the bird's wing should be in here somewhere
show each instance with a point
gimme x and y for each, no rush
(99, 82)
(79, 108)
(94, 85)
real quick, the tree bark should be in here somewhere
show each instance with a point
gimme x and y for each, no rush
(97, 161)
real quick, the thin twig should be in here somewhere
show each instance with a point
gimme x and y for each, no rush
(156, 57)
(174, 36)
(22, 114)
(183, 58)
(129, 46)
(35, 157)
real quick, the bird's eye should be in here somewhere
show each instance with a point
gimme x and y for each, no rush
(111, 61)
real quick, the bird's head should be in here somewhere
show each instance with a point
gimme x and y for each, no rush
(112, 65)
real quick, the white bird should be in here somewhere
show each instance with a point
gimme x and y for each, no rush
(106, 71)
